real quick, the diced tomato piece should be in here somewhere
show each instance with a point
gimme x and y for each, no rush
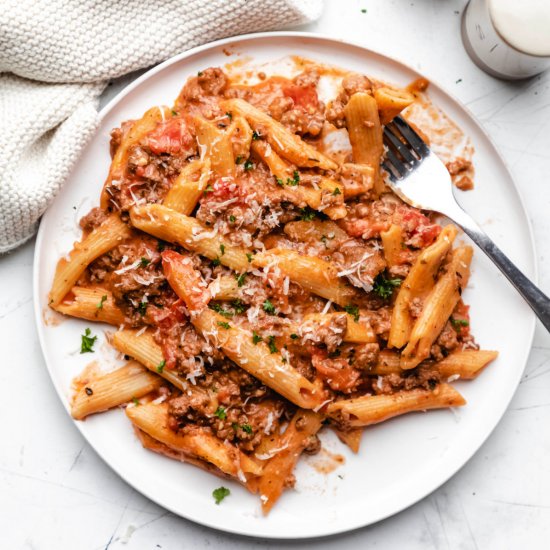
(303, 96)
(170, 137)
(186, 282)
(337, 373)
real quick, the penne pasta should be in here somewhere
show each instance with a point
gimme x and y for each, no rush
(372, 409)
(351, 438)
(215, 145)
(138, 131)
(313, 274)
(285, 143)
(466, 364)
(153, 419)
(392, 241)
(365, 134)
(438, 306)
(94, 304)
(143, 348)
(224, 287)
(112, 389)
(357, 332)
(303, 425)
(391, 102)
(417, 284)
(188, 187)
(169, 225)
(108, 235)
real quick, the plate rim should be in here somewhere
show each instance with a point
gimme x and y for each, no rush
(428, 488)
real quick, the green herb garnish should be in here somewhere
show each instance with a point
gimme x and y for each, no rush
(144, 262)
(88, 341)
(269, 307)
(459, 323)
(240, 279)
(220, 413)
(219, 309)
(256, 337)
(101, 302)
(384, 286)
(224, 325)
(271, 344)
(255, 135)
(336, 191)
(220, 493)
(248, 165)
(294, 336)
(353, 311)
(160, 366)
(142, 308)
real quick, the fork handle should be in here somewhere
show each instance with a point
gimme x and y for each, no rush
(539, 302)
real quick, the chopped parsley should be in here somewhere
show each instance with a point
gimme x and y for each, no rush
(229, 115)
(144, 262)
(280, 182)
(232, 218)
(459, 323)
(88, 341)
(307, 214)
(294, 336)
(220, 413)
(219, 309)
(222, 249)
(239, 159)
(363, 10)
(200, 73)
(336, 191)
(174, 113)
(240, 279)
(249, 257)
(269, 307)
(238, 306)
(160, 366)
(353, 311)
(224, 325)
(142, 308)
(271, 344)
(216, 261)
(256, 337)
(101, 302)
(208, 189)
(384, 286)
(135, 401)
(161, 246)
(248, 165)
(246, 428)
(255, 135)
(220, 493)
(295, 180)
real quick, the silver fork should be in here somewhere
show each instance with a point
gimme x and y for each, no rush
(419, 178)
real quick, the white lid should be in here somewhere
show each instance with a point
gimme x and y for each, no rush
(524, 24)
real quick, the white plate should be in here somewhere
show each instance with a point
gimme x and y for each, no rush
(400, 461)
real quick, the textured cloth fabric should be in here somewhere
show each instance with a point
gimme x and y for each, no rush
(56, 57)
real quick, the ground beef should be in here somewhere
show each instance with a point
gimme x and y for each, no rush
(415, 307)
(94, 218)
(312, 445)
(351, 84)
(210, 82)
(446, 342)
(424, 377)
(366, 355)
(329, 333)
(360, 262)
(232, 404)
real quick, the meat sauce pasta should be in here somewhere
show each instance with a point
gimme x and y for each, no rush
(263, 285)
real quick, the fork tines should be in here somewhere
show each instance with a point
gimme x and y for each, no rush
(405, 148)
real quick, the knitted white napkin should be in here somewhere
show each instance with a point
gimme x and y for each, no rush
(55, 59)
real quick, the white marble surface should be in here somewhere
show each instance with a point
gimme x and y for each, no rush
(56, 493)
